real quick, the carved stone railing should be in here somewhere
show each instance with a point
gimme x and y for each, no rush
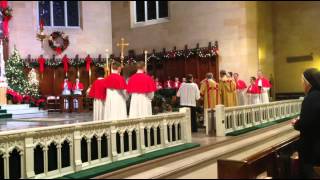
(229, 119)
(49, 152)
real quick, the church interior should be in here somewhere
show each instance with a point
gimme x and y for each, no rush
(159, 89)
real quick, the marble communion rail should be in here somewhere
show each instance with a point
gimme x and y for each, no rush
(49, 152)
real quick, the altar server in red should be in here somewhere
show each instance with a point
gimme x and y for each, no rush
(168, 84)
(253, 92)
(241, 89)
(142, 88)
(98, 93)
(66, 87)
(115, 106)
(77, 89)
(158, 84)
(264, 85)
(176, 83)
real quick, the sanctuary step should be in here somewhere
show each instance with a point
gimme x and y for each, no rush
(21, 111)
(201, 163)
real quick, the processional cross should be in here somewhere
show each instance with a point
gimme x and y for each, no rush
(122, 46)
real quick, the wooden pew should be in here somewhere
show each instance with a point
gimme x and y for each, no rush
(273, 161)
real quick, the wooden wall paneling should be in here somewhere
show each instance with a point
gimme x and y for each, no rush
(46, 82)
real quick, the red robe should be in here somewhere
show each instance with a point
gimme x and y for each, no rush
(253, 89)
(241, 85)
(69, 85)
(115, 81)
(159, 85)
(80, 86)
(98, 89)
(265, 82)
(176, 84)
(168, 84)
(141, 83)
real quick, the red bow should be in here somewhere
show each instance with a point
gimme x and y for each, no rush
(58, 50)
(41, 62)
(65, 61)
(3, 5)
(88, 62)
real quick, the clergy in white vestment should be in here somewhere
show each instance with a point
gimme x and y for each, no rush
(241, 90)
(189, 93)
(264, 85)
(77, 90)
(253, 92)
(141, 87)
(115, 105)
(66, 91)
(98, 93)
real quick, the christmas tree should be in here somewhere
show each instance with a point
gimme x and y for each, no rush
(33, 86)
(15, 75)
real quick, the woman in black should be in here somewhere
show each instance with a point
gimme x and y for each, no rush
(309, 124)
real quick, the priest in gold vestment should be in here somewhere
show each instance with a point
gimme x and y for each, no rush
(227, 90)
(209, 91)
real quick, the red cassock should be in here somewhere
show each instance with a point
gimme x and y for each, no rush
(176, 84)
(80, 86)
(141, 83)
(98, 89)
(265, 82)
(168, 84)
(115, 81)
(69, 85)
(241, 85)
(159, 85)
(254, 89)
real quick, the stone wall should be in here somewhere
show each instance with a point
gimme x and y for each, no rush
(94, 35)
(232, 24)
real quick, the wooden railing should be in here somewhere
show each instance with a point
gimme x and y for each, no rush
(229, 119)
(49, 152)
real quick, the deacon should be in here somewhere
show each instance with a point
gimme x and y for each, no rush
(253, 92)
(115, 106)
(264, 85)
(209, 90)
(142, 88)
(227, 90)
(241, 88)
(98, 93)
(77, 90)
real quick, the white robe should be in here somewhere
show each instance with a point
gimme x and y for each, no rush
(98, 110)
(115, 105)
(77, 91)
(264, 97)
(241, 97)
(140, 105)
(254, 99)
(66, 92)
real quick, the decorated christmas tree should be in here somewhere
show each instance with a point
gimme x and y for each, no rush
(33, 85)
(15, 75)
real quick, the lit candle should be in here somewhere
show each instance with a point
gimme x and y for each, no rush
(107, 56)
(145, 59)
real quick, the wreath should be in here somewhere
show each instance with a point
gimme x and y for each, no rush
(58, 41)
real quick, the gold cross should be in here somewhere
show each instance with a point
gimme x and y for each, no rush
(122, 46)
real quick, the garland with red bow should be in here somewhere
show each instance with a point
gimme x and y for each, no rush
(7, 14)
(88, 62)
(65, 61)
(41, 62)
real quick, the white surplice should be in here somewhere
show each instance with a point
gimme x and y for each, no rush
(140, 105)
(98, 110)
(254, 99)
(264, 97)
(242, 100)
(115, 105)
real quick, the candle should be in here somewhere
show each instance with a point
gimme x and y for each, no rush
(41, 24)
(145, 60)
(107, 56)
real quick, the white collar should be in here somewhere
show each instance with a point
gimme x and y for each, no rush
(140, 71)
(114, 71)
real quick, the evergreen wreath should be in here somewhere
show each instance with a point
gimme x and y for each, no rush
(58, 41)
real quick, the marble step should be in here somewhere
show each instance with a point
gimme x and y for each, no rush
(20, 111)
(15, 106)
(25, 111)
